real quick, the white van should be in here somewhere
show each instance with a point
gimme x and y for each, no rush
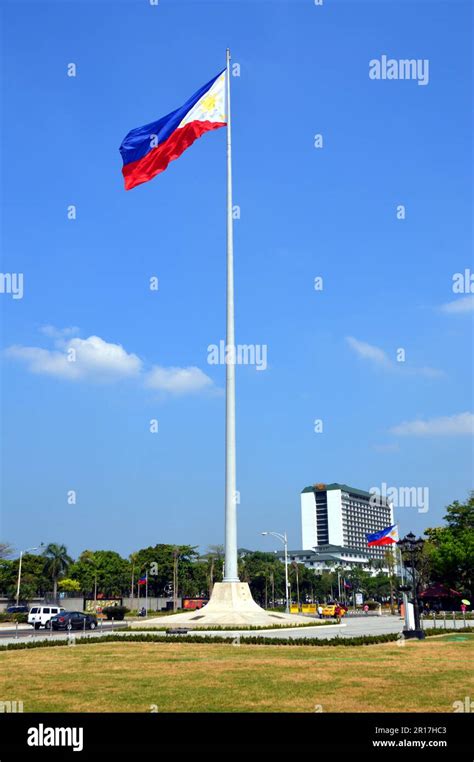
(39, 616)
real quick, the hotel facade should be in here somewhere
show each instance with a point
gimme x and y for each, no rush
(339, 515)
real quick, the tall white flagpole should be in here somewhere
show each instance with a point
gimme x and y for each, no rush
(231, 574)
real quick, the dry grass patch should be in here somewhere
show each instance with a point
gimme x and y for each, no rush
(189, 677)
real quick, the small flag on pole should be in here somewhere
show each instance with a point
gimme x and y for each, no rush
(142, 580)
(147, 151)
(387, 536)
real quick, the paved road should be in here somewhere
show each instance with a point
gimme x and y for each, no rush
(26, 632)
(350, 628)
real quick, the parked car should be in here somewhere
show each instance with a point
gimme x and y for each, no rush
(40, 616)
(334, 610)
(73, 620)
(20, 609)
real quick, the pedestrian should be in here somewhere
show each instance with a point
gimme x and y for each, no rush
(463, 608)
(366, 609)
(320, 611)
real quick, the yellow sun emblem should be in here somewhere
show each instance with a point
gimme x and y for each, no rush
(209, 103)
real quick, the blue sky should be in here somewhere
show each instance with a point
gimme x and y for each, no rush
(305, 212)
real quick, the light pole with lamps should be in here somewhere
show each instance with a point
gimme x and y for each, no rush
(22, 553)
(284, 540)
(412, 547)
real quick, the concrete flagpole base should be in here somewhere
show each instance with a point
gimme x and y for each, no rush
(231, 604)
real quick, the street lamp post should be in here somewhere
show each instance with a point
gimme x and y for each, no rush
(283, 538)
(22, 553)
(412, 546)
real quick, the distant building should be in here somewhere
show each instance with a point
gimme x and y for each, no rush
(326, 558)
(342, 516)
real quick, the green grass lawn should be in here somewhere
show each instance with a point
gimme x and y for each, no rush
(424, 676)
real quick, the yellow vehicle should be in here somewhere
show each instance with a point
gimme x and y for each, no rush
(334, 610)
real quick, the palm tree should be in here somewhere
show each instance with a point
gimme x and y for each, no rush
(295, 567)
(272, 583)
(215, 554)
(57, 563)
(5, 549)
(89, 557)
(176, 555)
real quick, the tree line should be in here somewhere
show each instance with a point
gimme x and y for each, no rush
(447, 557)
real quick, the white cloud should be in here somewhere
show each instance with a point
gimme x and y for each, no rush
(60, 334)
(91, 358)
(94, 359)
(450, 425)
(380, 359)
(97, 357)
(459, 306)
(44, 361)
(177, 380)
(369, 352)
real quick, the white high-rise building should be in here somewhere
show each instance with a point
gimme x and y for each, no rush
(337, 514)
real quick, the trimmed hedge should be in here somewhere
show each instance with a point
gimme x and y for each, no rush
(363, 640)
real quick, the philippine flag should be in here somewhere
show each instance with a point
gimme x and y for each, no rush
(147, 151)
(387, 536)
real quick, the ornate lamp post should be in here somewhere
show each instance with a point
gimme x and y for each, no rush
(411, 547)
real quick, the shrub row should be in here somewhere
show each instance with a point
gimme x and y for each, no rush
(440, 630)
(244, 640)
(363, 640)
